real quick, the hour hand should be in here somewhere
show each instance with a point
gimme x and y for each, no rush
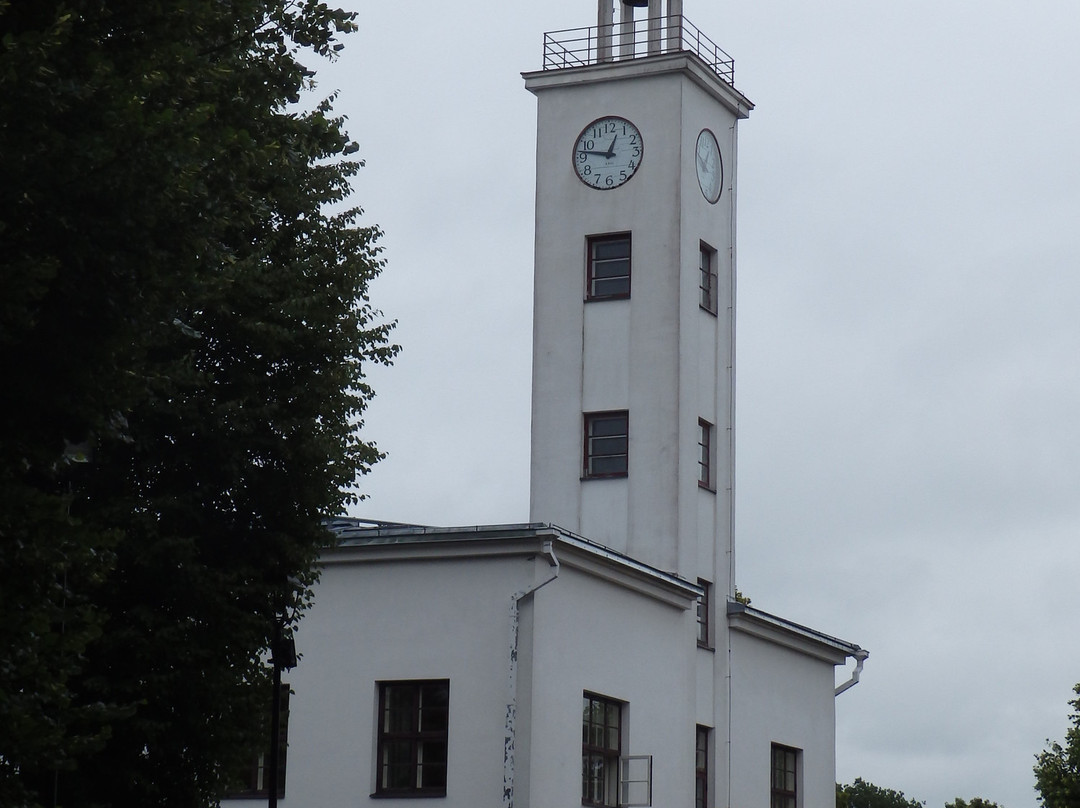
(611, 148)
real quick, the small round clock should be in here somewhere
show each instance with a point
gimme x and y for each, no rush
(608, 152)
(710, 169)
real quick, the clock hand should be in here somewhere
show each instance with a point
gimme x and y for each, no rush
(611, 148)
(609, 155)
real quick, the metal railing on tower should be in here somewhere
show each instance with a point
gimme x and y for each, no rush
(634, 39)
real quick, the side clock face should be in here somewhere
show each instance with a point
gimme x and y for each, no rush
(608, 152)
(710, 169)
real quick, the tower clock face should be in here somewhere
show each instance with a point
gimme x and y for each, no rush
(608, 152)
(710, 169)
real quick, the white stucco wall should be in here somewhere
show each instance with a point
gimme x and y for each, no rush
(594, 636)
(781, 696)
(450, 618)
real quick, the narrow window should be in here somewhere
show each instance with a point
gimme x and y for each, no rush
(601, 745)
(254, 780)
(707, 264)
(705, 454)
(701, 768)
(413, 725)
(703, 638)
(608, 274)
(785, 771)
(606, 444)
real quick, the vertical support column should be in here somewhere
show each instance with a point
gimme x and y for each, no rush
(605, 14)
(655, 19)
(674, 26)
(626, 31)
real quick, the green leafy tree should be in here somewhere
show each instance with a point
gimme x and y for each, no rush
(975, 802)
(184, 327)
(862, 794)
(1057, 768)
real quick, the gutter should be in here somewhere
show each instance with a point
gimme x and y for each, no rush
(509, 741)
(860, 657)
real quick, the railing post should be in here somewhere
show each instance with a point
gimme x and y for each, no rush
(626, 31)
(654, 46)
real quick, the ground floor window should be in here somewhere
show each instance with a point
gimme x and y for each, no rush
(785, 777)
(412, 743)
(601, 746)
(253, 782)
(701, 768)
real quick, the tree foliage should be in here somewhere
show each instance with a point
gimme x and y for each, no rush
(862, 794)
(184, 327)
(975, 802)
(1057, 768)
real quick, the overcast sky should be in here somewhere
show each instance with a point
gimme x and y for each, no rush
(908, 439)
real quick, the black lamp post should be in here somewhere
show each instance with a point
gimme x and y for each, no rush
(283, 655)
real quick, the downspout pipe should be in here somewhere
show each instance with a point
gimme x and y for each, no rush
(548, 551)
(860, 657)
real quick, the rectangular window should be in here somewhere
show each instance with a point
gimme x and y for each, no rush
(703, 637)
(701, 768)
(608, 273)
(785, 777)
(601, 746)
(607, 442)
(707, 264)
(413, 726)
(705, 454)
(254, 781)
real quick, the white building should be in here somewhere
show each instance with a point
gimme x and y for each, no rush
(604, 661)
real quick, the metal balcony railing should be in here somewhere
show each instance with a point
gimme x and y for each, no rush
(579, 47)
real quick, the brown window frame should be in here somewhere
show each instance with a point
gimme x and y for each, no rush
(702, 735)
(704, 605)
(603, 790)
(415, 740)
(784, 776)
(593, 450)
(597, 266)
(706, 455)
(707, 278)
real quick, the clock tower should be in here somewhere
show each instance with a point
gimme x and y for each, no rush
(633, 344)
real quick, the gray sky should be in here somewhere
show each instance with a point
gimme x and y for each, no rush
(908, 472)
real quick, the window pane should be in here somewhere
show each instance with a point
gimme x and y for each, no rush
(619, 267)
(611, 287)
(608, 425)
(608, 465)
(611, 248)
(609, 446)
(400, 710)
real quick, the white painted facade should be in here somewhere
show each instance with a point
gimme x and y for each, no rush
(524, 620)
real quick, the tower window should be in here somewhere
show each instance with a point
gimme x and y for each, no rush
(601, 745)
(413, 727)
(705, 455)
(707, 265)
(608, 273)
(607, 442)
(703, 614)
(701, 767)
(785, 777)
